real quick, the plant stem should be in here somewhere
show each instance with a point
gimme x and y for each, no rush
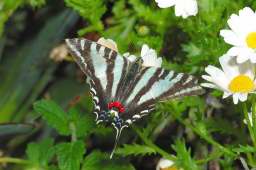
(206, 138)
(249, 125)
(73, 132)
(152, 145)
(13, 160)
(253, 117)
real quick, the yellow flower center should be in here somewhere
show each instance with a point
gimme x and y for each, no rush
(170, 168)
(251, 40)
(241, 84)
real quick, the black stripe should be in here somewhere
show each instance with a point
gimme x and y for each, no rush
(109, 71)
(98, 47)
(134, 75)
(120, 84)
(155, 77)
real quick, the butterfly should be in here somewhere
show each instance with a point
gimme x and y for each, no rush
(124, 91)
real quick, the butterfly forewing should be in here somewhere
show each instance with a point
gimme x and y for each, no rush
(104, 67)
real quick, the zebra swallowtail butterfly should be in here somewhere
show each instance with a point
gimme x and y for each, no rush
(124, 91)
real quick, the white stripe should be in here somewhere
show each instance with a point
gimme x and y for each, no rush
(160, 87)
(96, 99)
(188, 80)
(109, 56)
(99, 64)
(142, 83)
(129, 121)
(96, 115)
(144, 111)
(97, 107)
(82, 43)
(99, 121)
(187, 90)
(136, 116)
(74, 49)
(162, 72)
(94, 91)
(117, 71)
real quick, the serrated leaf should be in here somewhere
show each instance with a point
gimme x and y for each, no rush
(83, 124)
(41, 153)
(87, 8)
(135, 149)
(184, 159)
(54, 115)
(70, 155)
(100, 161)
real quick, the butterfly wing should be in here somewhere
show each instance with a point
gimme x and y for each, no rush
(104, 67)
(151, 85)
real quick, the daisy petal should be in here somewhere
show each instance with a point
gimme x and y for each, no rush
(235, 98)
(165, 3)
(243, 97)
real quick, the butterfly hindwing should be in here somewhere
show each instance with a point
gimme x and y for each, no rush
(156, 85)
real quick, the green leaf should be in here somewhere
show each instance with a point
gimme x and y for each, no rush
(244, 149)
(89, 10)
(83, 124)
(70, 155)
(100, 161)
(40, 153)
(54, 115)
(184, 159)
(135, 149)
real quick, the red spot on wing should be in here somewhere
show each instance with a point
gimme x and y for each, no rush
(117, 105)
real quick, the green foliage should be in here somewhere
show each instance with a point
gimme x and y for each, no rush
(40, 154)
(98, 160)
(9, 129)
(244, 149)
(136, 150)
(54, 115)
(70, 155)
(86, 9)
(83, 124)
(8, 7)
(66, 123)
(184, 159)
(31, 69)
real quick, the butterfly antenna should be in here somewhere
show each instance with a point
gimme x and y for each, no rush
(118, 134)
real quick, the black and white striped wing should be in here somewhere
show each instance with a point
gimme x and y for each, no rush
(156, 85)
(104, 67)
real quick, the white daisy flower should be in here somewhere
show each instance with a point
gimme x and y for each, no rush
(131, 58)
(234, 79)
(165, 164)
(183, 8)
(242, 35)
(149, 57)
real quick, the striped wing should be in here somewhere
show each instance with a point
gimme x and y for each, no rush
(114, 78)
(104, 67)
(151, 85)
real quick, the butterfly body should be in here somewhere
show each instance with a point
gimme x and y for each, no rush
(124, 91)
